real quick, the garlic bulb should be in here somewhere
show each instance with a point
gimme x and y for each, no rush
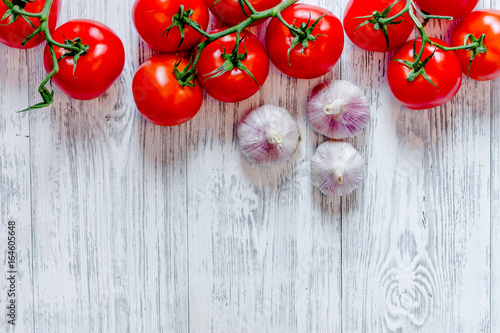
(338, 109)
(268, 135)
(337, 168)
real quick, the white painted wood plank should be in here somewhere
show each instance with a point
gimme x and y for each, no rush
(113, 198)
(495, 199)
(109, 206)
(416, 238)
(495, 206)
(15, 186)
(264, 246)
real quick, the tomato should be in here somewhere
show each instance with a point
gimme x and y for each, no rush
(234, 85)
(159, 96)
(455, 8)
(443, 69)
(152, 17)
(229, 11)
(97, 69)
(320, 55)
(485, 66)
(366, 37)
(14, 34)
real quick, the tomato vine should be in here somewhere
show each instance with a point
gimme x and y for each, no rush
(380, 21)
(302, 35)
(75, 47)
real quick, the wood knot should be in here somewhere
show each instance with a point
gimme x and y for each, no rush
(407, 298)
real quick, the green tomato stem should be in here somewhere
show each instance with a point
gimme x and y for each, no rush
(55, 69)
(249, 6)
(289, 26)
(237, 44)
(193, 25)
(188, 74)
(21, 12)
(455, 48)
(418, 65)
(44, 30)
(410, 4)
(425, 39)
(398, 15)
(423, 35)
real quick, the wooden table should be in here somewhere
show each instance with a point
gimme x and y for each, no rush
(123, 226)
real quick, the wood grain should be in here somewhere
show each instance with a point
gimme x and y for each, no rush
(15, 203)
(495, 207)
(495, 200)
(127, 227)
(109, 203)
(252, 269)
(421, 220)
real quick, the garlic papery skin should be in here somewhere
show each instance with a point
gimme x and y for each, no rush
(338, 109)
(268, 135)
(337, 168)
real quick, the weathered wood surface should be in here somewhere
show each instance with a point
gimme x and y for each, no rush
(495, 200)
(128, 227)
(416, 240)
(15, 203)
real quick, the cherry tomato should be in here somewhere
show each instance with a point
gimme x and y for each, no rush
(455, 8)
(234, 85)
(366, 37)
(443, 69)
(152, 17)
(159, 96)
(485, 66)
(230, 12)
(320, 55)
(14, 34)
(97, 69)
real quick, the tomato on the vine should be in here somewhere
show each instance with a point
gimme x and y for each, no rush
(15, 33)
(455, 8)
(371, 39)
(235, 84)
(153, 17)
(485, 66)
(443, 69)
(308, 54)
(95, 70)
(158, 94)
(230, 12)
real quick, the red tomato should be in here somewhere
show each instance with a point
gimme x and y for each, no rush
(319, 57)
(97, 69)
(14, 34)
(485, 66)
(455, 8)
(443, 69)
(229, 11)
(234, 85)
(152, 17)
(159, 96)
(366, 37)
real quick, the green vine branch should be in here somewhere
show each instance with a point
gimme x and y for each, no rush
(302, 35)
(74, 48)
(381, 21)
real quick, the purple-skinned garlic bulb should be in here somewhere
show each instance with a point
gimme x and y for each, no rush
(337, 168)
(268, 135)
(338, 109)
